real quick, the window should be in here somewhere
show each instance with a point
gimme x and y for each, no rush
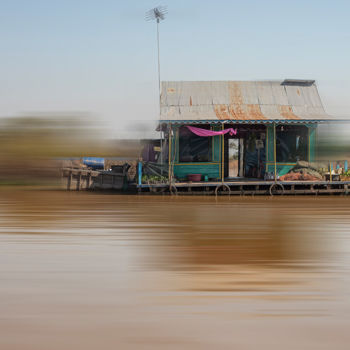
(193, 148)
(291, 143)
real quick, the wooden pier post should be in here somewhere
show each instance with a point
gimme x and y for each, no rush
(69, 181)
(89, 180)
(79, 181)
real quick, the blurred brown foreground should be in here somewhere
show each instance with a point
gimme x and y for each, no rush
(83, 270)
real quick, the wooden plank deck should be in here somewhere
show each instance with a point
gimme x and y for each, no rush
(249, 187)
(78, 179)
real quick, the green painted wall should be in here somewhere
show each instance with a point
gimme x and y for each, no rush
(312, 143)
(213, 171)
(282, 169)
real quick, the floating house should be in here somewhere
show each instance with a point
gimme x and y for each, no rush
(239, 129)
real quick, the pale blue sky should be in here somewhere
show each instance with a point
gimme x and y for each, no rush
(99, 57)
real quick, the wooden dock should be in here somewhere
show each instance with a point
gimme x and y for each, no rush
(84, 179)
(249, 188)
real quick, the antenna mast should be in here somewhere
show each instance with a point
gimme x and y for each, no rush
(158, 14)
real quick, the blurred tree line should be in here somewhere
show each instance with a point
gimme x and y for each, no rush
(31, 148)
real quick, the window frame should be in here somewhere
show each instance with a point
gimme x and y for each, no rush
(210, 145)
(293, 156)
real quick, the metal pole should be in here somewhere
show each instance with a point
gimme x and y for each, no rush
(158, 13)
(223, 154)
(139, 173)
(170, 153)
(159, 91)
(158, 61)
(274, 149)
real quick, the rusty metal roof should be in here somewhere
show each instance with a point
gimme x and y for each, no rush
(292, 100)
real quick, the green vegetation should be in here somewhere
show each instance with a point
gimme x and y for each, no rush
(154, 179)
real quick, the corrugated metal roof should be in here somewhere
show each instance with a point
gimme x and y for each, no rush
(241, 101)
(216, 121)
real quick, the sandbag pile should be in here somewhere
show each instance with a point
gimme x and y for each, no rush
(302, 171)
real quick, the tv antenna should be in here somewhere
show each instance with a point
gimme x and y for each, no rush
(158, 14)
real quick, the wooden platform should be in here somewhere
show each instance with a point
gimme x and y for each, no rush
(79, 179)
(249, 187)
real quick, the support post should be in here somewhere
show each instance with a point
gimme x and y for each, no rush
(161, 150)
(69, 180)
(222, 154)
(89, 180)
(139, 173)
(79, 181)
(170, 175)
(274, 149)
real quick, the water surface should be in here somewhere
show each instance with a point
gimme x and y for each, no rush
(102, 271)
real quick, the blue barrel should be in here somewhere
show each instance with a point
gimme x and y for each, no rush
(95, 163)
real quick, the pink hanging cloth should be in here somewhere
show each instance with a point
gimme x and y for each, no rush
(207, 133)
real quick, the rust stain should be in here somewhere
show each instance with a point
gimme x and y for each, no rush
(298, 92)
(222, 112)
(235, 94)
(238, 112)
(255, 113)
(287, 112)
(190, 100)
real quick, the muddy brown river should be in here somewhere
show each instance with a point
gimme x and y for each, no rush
(103, 271)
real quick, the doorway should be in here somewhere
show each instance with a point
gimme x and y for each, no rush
(235, 157)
